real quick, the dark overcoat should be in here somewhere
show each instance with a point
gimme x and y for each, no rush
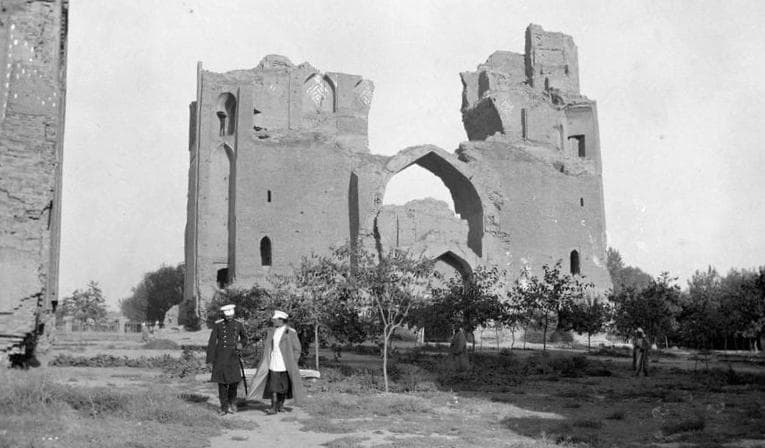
(222, 351)
(289, 345)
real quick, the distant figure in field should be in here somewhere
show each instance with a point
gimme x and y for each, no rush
(640, 347)
(278, 376)
(227, 339)
(458, 350)
(144, 332)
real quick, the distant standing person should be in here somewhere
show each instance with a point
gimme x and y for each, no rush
(226, 341)
(458, 349)
(278, 376)
(640, 347)
(144, 332)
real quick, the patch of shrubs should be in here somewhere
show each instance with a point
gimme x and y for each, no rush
(565, 366)
(188, 364)
(412, 378)
(420, 370)
(161, 344)
(613, 352)
(363, 349)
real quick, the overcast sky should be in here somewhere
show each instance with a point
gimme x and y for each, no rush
(679, 87)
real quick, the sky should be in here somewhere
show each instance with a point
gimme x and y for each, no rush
(679, 86)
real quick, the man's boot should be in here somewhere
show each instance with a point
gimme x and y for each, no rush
(279, 402)
(232, 388)
(274, 401)
(223, 397)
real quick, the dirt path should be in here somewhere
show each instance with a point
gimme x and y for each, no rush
(270, 430)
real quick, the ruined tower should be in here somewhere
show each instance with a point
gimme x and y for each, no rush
(280, 168)
(33, 36)
(271, 154)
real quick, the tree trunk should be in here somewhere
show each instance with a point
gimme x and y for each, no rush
(316, 342)
(666, 342)
(588, 341)
(386, 335)
(525, 329)
(544, 336)
(512, 338)
(496, 335)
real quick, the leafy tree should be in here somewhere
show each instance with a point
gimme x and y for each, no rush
(319, 289)
(653, 308)
(700, 318)
(388, 289)
(623, 276)
(84, 305)
(548, 296)
(136, 306)
(468, 303)
(517, 310)
(588, 316)
(315, 296)
(514, 315)
(157, 292)
(744, 292)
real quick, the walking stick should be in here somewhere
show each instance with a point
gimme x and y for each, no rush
(244, 377)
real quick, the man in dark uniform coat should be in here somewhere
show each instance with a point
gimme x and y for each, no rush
(226, 340)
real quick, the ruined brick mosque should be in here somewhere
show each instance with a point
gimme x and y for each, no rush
(280, 168)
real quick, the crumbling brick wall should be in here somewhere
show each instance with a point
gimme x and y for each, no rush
(293, 174)
(32, 92)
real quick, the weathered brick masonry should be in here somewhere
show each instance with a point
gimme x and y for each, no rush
(33, 37)
(280, 167)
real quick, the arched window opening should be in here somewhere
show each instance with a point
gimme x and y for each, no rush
(265, 251)
(547, 83)
(226, 112)
(581, 202)
(574, 259)
(456, 264)
(576, 145)
(223, 119)
(222, 278)
(320, 94)
(268, 196)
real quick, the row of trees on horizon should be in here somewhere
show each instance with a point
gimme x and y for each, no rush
(714, 312)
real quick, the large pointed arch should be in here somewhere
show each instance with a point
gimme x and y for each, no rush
(454, 173)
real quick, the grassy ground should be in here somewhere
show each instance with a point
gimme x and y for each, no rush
(39, 411)
(542, 399)
(519, 398)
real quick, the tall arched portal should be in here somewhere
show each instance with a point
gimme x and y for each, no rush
(455, 175)
(221, 194)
